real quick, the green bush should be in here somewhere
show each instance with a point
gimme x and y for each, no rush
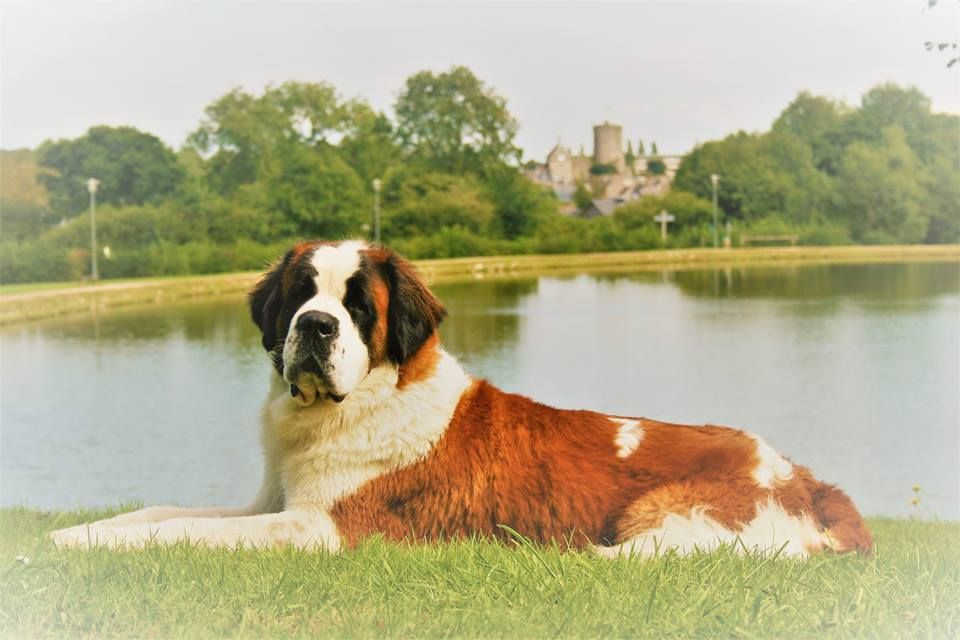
(20, 220)
(602, 169)
(419, 204)
(813, 233)
(825, 234)
(38, 261)
(45, 261)
(656, 167)
(688, 209)
(456, 242)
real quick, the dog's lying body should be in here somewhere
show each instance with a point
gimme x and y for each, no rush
(371, 428)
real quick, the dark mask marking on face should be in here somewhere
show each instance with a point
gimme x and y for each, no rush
(359, 302)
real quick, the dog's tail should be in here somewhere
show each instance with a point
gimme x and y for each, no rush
(843, 526)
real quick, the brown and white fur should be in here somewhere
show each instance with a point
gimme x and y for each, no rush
(370, 427)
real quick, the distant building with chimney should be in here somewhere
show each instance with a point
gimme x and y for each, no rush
(612, 176)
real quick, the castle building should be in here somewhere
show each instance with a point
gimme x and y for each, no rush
(605, 173)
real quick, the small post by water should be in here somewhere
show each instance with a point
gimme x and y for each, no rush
(664, 218)
(377, 183)
(714, 179)
(92, 185)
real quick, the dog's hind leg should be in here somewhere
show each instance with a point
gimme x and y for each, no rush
(689, 516)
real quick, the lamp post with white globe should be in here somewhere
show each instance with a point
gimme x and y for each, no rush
(377, 184)
(92, 185)
(714, 178)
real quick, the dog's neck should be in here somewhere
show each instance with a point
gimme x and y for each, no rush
(422, 364)
(380, 425)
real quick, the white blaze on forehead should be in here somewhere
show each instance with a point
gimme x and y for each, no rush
(348, 358)
(771, 466)
(335, 264)
(629, 435)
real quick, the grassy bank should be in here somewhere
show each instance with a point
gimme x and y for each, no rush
(20, 303)
(910, 589)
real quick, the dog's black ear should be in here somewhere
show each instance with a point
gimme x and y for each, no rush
(414, 312)
(266, 300)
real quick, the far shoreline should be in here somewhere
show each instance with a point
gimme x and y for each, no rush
(37, 301)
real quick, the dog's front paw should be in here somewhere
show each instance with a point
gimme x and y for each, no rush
(87, 536)
(72, 537)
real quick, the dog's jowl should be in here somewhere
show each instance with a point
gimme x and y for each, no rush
(370, 427)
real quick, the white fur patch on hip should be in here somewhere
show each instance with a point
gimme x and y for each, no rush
(629, 435)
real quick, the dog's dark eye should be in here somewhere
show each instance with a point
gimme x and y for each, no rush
(356, 309)
(356, 302)
(304, 287)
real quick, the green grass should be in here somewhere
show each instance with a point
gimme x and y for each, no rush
(473, 588)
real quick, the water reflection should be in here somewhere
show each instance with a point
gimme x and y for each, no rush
(874, 282)
(218, 321)
(485, 319)
(853, 370)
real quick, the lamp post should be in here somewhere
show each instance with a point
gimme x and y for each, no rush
(377, 183)
(714, 178)
(92, 185)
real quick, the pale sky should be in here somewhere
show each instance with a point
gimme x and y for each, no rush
(676, 73)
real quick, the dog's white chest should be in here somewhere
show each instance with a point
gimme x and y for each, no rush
(327, 451)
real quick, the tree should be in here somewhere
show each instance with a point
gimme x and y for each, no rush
(418, 203)
(602, 169)
(641, 151)
(890, 105)
(24, 204)
(819, 122)
(656, 167)
(133, 168)
(952, 48)
(452, 122)
(19, 175)
(762, 175)
(316, 193)
(369, 145)
(882, 197)
(519, 203)
(582, 197)
(245, 136)
(653, 149)
(629, 157)
(943, 205)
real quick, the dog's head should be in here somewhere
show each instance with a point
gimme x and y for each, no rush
(332, 312)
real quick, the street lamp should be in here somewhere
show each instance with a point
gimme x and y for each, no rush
(714, 178)
(92, 185)
(377, 183)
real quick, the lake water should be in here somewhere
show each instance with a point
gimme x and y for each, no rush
(853, 370)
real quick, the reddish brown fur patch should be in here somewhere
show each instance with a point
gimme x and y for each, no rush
(732, 504)
(555, 475)
(381, 302)
(837, 514)
(421, 364)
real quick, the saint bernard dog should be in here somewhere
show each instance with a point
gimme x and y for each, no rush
(371, 428)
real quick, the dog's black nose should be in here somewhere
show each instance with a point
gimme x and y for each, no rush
(319, 322)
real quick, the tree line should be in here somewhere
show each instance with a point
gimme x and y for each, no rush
(298, 160)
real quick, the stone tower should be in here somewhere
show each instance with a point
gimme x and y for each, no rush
(608, 145)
